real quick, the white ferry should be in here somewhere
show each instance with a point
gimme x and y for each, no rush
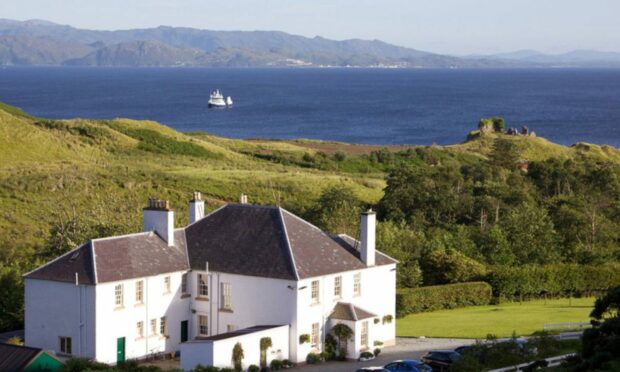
(216, 99)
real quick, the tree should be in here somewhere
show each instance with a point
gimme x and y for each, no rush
(337, 210)
(495, 247)
(531, 235)
(11, 299)
(450, 266)
(399, 241)
(237, 356)
(343, 334)
(505, 154)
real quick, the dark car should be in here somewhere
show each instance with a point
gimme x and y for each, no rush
(441, 360)
(372, 369)
(411, 365)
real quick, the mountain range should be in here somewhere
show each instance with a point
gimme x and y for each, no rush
(37, 42)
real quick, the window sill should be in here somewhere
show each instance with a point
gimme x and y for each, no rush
(315, 303)
(225, 310)
(139, 304)
(337, 298)
(167, 293)
(201, 298)
(139, 338)
(119, 308)
(69, 355)
(186, 295)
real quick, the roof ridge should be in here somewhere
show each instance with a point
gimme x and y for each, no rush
(353, 312)
(205, 216)
(288, 243)
(120, 236)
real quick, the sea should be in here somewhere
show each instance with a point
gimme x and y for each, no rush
(369, 106)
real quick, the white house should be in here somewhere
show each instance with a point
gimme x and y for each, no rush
(241, 269)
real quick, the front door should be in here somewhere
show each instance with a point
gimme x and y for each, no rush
(120, 350)
(184, 329)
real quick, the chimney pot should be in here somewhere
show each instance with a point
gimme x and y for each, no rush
(243, 199)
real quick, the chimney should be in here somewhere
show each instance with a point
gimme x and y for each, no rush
(243, 199)
(368, 223)
(159, 217)
(196, 208)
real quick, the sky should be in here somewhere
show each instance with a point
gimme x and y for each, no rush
(443, 26)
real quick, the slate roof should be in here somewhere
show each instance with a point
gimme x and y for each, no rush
(15, 358)
(243, 239)
(347, 311)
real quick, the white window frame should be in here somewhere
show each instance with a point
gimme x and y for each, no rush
(153, 324)
(203, 286)
(65, 344)
(315, 291)
(226, 296)
(140, 329)
(184, 283)
(364, 334)
(163, 326)
(118, 295)
(338, 287)
(167, 284)
(203, 326)
(315, 335)
(140, 292)
(357, 284)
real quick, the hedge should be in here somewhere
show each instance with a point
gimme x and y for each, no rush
(534, 281)
(437, 297)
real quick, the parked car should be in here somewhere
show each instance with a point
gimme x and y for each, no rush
(441, 360)
(372, 369)
(410, 365)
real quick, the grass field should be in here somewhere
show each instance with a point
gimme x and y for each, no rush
(500, 320)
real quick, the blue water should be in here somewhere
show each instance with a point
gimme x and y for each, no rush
(353, 105)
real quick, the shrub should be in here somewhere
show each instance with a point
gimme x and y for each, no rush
(237, 356)
(304, 339)
(275, 365)
(376, 352)
(367, 355)
(449, 296)
(253, 368)
(314, 358)
(331, 346)
(534, 281)
(287, 363)
(81, 364)
(387, 319)
(377, 343)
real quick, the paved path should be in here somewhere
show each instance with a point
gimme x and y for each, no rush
(405, 348)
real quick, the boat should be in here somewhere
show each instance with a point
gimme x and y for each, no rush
(216, 99)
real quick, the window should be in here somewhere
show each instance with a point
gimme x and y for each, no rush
(226, 296)
(184, 283)
(65, 345)
(203, 289)
(140, 329)
(338, 287)
(314, 338)
(364, 334)
(153, 326)
(167, 288)
(163, 329)
(230, 328)
(139, 292)
(203, 325)
(315, 291)
(118, 295)
(357, 284)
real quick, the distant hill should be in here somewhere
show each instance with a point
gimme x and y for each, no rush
(39, 42)
(575, 58)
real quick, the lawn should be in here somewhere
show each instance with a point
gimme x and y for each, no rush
(500, 320)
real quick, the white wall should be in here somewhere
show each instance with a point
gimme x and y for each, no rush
(113, 323)
(219, 352)
(54, 309)
(255, 301)
(378, 296)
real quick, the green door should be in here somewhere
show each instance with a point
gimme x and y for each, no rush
(120, 350)
(184, 331)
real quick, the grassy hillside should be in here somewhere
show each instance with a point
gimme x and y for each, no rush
(55, 170)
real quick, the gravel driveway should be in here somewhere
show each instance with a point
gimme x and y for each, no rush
(405, 348)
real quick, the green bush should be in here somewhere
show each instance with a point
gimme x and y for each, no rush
(253, 368)
(314, 358)
(275, 365)
(535, 281)
(376, 352)
(437, 297)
